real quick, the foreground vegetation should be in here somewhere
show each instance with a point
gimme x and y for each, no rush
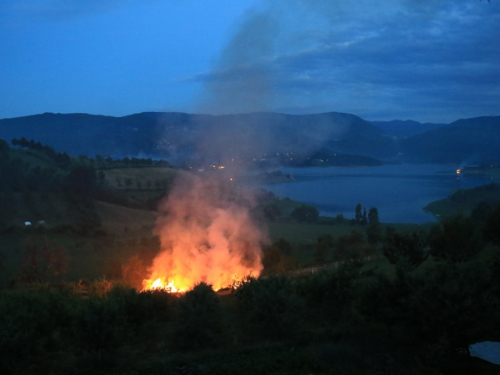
(410, 304)
(343, 320)
(337, 295)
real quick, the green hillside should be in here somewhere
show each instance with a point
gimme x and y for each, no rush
(465, 201)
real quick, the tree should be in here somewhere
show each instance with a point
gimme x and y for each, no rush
(492, 226)
(323, 244)
(374, 233)
(284, 246)
(305, 213)
(81, 181)
(457, 239)
(406, 247)
(199, 323)
(40, 260)
(373, 216)
(358, 214)
(271, 306)
(133, 272)
(276, 258)
(271, 211)
(4, 149)
(480, 213)
(351, 247)
(101, 176)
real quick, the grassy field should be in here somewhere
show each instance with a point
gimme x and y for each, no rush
(126, 211)
(90, 257)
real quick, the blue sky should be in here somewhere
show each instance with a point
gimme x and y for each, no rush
(425, 60)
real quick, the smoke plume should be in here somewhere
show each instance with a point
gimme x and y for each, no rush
(207, 235)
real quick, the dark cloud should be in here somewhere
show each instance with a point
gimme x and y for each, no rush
(414, 57)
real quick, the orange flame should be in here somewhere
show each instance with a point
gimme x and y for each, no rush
(207, 235)
(162, 285)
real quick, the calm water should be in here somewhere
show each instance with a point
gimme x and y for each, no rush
(398, 191)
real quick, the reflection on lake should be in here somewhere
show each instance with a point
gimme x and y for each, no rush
(398, 191)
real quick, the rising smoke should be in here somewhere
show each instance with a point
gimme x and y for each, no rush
(207, 235)
(206, 231)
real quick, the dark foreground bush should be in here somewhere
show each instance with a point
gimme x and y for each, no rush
(330, 293)
(271, 306)
(199, 322)
(31, 322)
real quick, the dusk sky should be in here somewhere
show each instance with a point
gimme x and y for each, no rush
(425, 60)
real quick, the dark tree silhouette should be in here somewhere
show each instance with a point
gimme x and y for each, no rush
(492, 226)
(406, 247)
(457, 239)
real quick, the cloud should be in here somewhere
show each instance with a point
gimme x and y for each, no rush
(296, 54)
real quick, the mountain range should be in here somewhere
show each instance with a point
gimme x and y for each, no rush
(259, 136)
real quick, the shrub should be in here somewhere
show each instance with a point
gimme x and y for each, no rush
(406, 247)
(101, 326)
(330, 292)
(30, 323)
(199, 322)
(271, 306)
(457, 239)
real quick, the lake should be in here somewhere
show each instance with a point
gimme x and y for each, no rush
(399, 192)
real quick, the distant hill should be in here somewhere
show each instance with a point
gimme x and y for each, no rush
(80, 133)
(406, 128)
(273, 138)
(467, 141)
(182, 135)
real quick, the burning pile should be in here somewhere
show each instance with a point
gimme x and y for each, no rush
(207, 235)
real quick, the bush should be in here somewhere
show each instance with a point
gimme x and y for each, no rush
(457, 239)
(101, 326)
(31, 321)
(199, 322)
(492, 226)
(330, 292)
(271, 306)
(406, 247)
